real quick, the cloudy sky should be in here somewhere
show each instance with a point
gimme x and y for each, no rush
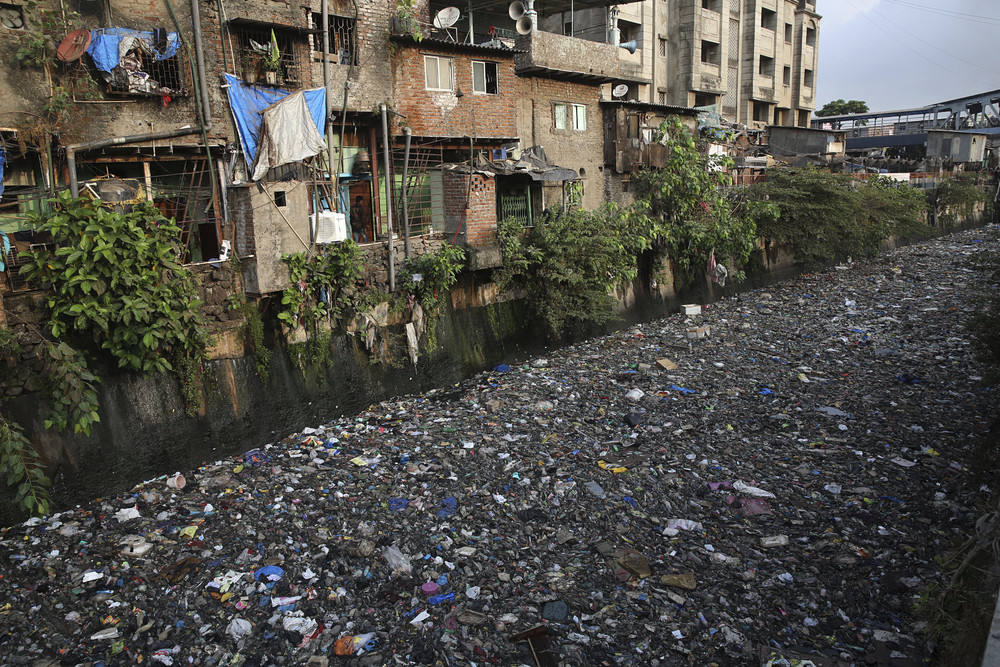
(896, 54)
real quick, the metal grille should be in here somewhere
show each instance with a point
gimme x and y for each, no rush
(251, 64)
(142, 74)
(732, 97)
(342, 39)
(514, 203)
(423, 188)
(734, 41)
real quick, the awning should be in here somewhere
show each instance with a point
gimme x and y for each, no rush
(532, 163)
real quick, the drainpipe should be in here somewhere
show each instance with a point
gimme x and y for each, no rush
(328, 123)
(407, 132)
(388, 195)
(199, 53)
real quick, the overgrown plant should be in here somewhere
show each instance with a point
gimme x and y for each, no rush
(322, 286)
(23, 469)
(826, 217)
(958, 196)
(691, 215)
(567, 264)
(116, 284)
(253, 334)
(406, 12)
(438, 272)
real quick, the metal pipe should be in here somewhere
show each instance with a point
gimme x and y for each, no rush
(199, 55)
(388, 195)
(328, 106)
(407, 133)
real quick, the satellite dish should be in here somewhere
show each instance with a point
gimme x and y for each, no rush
(447, 17)
(73, 46)
(10, 17)
(516, 10)
(523, 26)
(619, 90)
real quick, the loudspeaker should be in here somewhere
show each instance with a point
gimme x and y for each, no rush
(516, 10)
(523, 26)
(630, 46)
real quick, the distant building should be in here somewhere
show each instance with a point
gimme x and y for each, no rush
(755, 59)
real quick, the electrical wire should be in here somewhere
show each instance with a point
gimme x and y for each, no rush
(962, 16)
(906, 46)
(936, 48)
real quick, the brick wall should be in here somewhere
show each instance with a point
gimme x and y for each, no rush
(471, 210)
(371, 79)
(582, 151)
(432, 113)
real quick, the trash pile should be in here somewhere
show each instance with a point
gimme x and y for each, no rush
(770, 490)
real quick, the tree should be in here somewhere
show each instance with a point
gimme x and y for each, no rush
(840, 107)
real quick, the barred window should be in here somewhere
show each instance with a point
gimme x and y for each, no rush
(255, 60)
(343, 36)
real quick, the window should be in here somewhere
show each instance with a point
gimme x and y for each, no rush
(786, 76)
(788, 33)
(662, 47)
(661, 96)
(807, 78)
(711, 53)
(762, 112)
(140, 73)
(711, 5)
(630, 32)
(342, 36)
(768, 19)
(252, 40)
(280, 199)
(567, 114)
(766, 67)
(810, 36)
(484, 77)
(705, 99)
(438, 73)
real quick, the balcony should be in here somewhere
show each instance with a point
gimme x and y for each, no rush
(571, 58)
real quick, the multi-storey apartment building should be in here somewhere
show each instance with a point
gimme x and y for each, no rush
(756, 60)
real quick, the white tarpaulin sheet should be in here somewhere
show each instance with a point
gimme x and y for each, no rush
(288, 134)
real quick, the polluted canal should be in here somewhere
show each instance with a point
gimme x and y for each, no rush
(768, 477)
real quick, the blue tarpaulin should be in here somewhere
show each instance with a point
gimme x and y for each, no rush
(249, 101)
(105, 45)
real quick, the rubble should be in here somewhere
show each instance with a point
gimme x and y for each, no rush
(772, 493)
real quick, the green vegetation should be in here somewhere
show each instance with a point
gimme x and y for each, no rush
(825, 217)
(322, 286)
(116, 291)
(116, 284)
(253, 334)
(840, 107)
(438, 272)
(23, 468)
(566, 265)
(690, 213)
(958, 196)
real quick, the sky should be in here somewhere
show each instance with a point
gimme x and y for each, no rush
(897, 54)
